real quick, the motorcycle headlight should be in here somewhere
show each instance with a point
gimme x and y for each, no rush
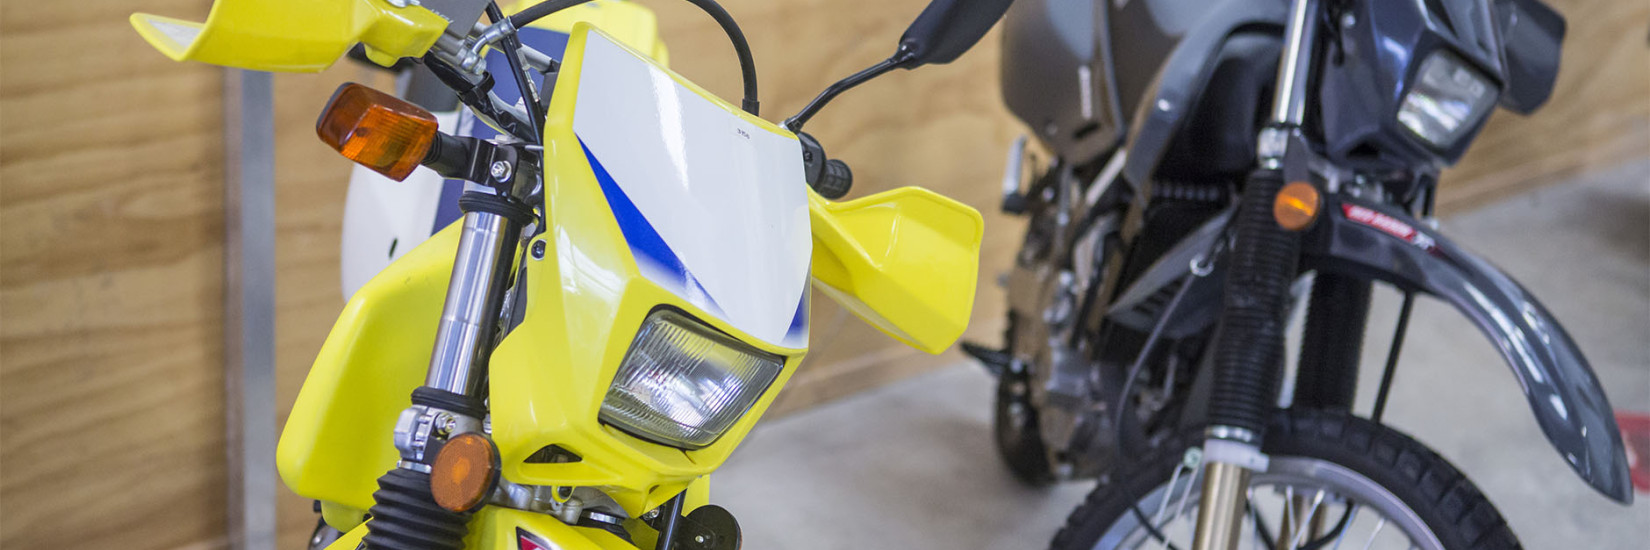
(683, 383)
(1446, 100)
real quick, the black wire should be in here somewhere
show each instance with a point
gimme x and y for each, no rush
(1261, 529)
(538, 11)
(1399, 333)
(747, 63)
(1123, 396)
(511, 44)
(478, 97)
(1346, 517)
(1392, 357)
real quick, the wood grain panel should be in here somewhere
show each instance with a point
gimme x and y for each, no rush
(110, 228)
(310, 184)
(1599, 114)
(111, 414)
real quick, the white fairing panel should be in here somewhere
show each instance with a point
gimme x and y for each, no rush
(384, 218)
(712, 205)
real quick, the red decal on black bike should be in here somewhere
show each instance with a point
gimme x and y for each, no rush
(1387, 224)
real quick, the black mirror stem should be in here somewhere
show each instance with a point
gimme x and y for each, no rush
(901, 58)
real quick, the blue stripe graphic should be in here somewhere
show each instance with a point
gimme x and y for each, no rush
(645, 243)
(797, 335)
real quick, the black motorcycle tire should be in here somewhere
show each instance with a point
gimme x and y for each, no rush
(1017, 433)
(1446, 501)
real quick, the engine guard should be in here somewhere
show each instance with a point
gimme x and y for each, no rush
(1386, 244)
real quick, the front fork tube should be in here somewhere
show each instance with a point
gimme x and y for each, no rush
(404, 513)
(475, 295)
(1220, 519)
(1264, 259)
(1248, 360)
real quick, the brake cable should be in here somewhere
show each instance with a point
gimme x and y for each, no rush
(511, 44)
(478, 96)
(747, 63)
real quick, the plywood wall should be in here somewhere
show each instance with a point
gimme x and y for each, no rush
(110, 228)
(111, 389)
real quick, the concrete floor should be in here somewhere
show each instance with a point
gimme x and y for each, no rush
(911, 465)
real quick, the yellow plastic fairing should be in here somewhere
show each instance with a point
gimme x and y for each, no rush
(292, 35)
(338, 439)
(586, 298)
(904, 261)
(495, 528)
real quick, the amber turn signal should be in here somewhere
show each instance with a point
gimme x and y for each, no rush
(377, 130)
(464, 472)
(1296, 206)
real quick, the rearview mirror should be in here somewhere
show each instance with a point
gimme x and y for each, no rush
(944, 30)
(947, 28)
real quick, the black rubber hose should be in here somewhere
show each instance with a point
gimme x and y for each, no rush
(1249, 353)
(538, 11)
(747, 63)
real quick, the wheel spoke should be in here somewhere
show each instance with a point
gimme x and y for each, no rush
(1185, 495)
(1305, 526)
(1286, 528)
(1378, 526)
(1353, 518)
(1163, 506)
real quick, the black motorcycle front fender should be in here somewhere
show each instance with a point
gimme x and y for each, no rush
(1383, 243)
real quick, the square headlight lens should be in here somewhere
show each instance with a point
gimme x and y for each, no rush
(683, 383)
(1447, 99)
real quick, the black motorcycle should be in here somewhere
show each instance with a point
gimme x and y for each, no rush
(1209, 158)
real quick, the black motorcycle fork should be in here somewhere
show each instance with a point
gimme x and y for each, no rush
(1262, 263)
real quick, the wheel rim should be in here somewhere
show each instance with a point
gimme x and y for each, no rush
(1333, 508)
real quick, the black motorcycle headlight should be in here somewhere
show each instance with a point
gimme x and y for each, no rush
(1447, 99)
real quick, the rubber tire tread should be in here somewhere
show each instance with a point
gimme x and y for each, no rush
(1452, 507)
(1022, 447)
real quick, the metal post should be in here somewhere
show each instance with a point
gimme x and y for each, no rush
(249, 306)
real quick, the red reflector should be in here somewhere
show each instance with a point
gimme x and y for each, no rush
(526, 541)
(377, 130)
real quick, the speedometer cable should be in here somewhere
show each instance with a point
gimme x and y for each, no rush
(747, 63)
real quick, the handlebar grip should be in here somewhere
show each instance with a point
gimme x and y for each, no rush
(835, 180)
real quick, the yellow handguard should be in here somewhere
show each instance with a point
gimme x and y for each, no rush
(293, 35)
(906, 261)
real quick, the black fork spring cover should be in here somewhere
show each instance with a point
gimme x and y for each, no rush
(1249, 360)
(406, 517)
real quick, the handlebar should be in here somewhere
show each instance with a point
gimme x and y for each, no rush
(829, 177)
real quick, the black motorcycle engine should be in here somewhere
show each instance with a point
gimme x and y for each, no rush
(1061, 259)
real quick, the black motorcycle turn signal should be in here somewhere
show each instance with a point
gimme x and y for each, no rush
(464, 472)
(1296, 206)
(377, 130)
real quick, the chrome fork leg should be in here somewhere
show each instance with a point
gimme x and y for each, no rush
(1220, 518)
(470, 313)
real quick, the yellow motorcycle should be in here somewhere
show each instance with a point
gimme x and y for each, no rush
(626, 291)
